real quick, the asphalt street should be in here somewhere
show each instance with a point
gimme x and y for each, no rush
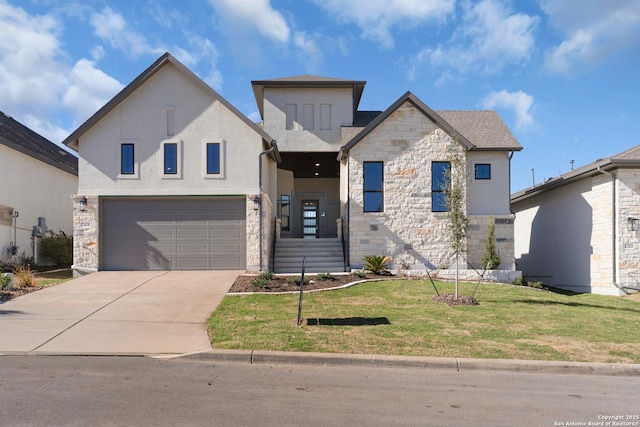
(132, 391)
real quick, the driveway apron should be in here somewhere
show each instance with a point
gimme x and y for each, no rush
(116, 312)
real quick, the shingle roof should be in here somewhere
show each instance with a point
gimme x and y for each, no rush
(627, 159)
(72, 140)
(19, 137)
(306, 81)
(476, 130)
(307, 78)
(484, 129)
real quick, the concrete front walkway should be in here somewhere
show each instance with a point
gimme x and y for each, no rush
(116, 312)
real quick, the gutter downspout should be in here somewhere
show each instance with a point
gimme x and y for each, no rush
(270, 150)
(614, 224)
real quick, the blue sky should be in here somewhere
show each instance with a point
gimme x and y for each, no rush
(563, 74)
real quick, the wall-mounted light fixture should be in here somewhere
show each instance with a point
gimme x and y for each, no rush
(633, 224)
(83, 204)
(256, 203)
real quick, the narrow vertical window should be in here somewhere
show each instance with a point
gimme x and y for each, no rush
(325, 116)
(440, 184)
(373, 187)
(170, 158)
(127, 159)
(307, 117)
(213, 158)
(292, 116)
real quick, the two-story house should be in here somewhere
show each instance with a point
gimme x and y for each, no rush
(38, 181)
(364, 182)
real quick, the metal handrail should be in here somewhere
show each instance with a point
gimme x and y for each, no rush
(344, 245)
(273, 244)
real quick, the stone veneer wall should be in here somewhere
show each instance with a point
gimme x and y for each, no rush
(407, 142)
(253, 234)
(601, 271)
(628, 241)
(85, 235)
(478, 232)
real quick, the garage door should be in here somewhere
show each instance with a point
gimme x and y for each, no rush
(173, 234)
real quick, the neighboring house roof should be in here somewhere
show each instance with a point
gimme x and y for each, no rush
(72, 140)
(19, 137)
(306, 81)
(627, 159)
(476, 130)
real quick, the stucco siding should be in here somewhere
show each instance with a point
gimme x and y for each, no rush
(564, 236)
(141, 119)
(299, 138)
(488, 196)
(34, 189)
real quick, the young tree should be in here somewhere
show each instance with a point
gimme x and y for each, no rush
(491, 258)
(457, 222)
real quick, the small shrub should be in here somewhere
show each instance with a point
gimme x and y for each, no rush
(377, 264)
(360, 274)
(263, 280)
(524, 281)
(325, 276)
(491, 257)
(260, 283)
(23, 276)
(267, 275)
(4, 281)
(296, 280)
(57, 248)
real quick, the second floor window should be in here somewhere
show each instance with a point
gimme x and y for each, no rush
(213, 158)
(440, 183)
(373, 187)
(171, 158)
(127, 159)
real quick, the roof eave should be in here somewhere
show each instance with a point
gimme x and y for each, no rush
(72, 140)
(259, 86)
(38, 156)
(431, 114)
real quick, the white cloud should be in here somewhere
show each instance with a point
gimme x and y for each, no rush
(594, 32)
(253, 15)
(111, 27)
(376, 18)
(89, 90)
(312, 55)
(519, 102)
(490, 37)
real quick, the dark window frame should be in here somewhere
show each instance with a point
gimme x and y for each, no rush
(373, 189)
(170, 158)
(127, 159)
(212, 164)
(482, 171)
(440, 185)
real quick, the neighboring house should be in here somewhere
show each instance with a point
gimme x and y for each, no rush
(579, 231)
(336, 175)
(38, 181)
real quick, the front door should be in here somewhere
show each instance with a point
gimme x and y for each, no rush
(310, 219)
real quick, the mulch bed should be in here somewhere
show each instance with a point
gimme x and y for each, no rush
(450, 299)
(284, 284)
(7, 294)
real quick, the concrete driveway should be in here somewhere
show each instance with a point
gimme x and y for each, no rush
(116, 312)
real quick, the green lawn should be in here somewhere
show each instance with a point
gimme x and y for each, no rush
(399, 317)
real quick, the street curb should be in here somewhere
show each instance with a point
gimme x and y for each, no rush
(451, 363)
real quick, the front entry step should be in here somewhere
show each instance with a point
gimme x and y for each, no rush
(322, 256)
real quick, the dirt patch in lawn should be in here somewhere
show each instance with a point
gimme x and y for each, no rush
(245, 283)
